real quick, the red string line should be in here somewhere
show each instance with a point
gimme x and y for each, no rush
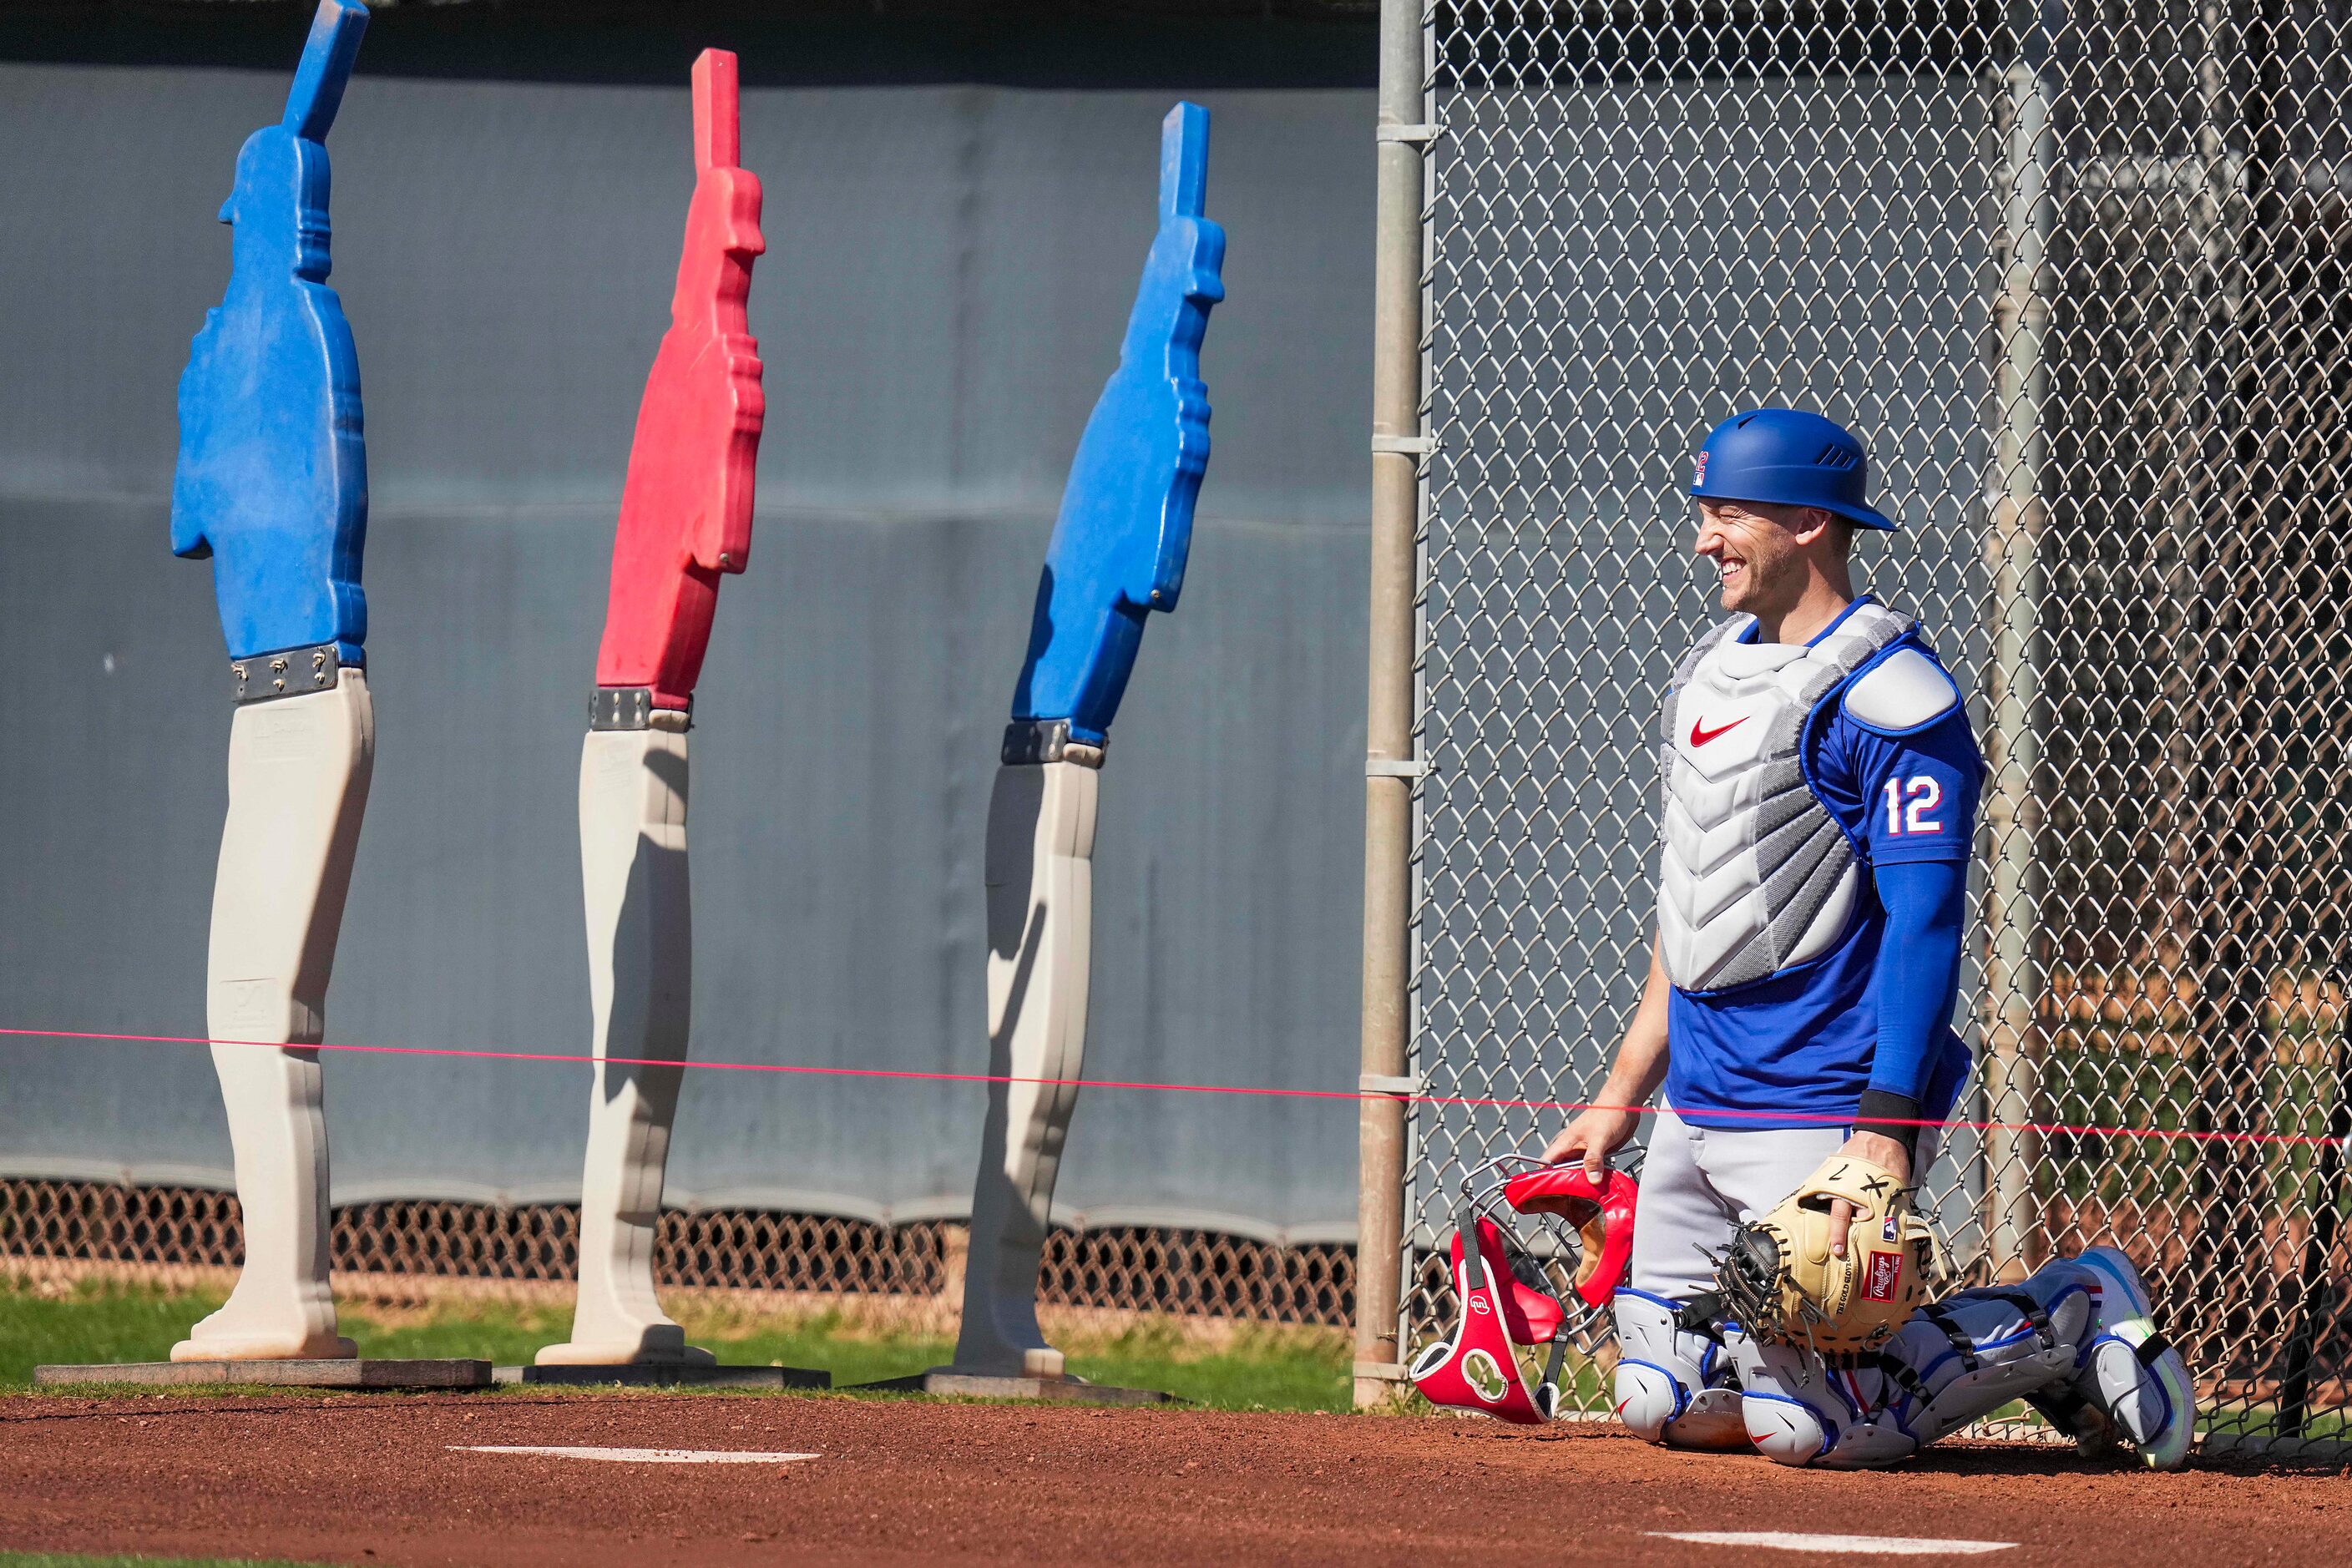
(1778, 1118)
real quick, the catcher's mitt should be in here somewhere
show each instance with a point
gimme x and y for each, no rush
(1781, 1280)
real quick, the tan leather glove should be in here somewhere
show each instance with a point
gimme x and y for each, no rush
(1781, 1280)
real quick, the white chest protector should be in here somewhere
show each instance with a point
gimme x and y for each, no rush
(1758, 876)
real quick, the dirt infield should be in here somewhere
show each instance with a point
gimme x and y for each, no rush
(381, 1479)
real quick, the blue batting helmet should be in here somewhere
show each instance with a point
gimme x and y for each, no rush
(1789, 456)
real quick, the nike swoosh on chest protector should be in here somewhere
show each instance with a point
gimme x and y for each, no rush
(1701, 735)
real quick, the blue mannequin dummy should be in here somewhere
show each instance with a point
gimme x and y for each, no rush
(272, 477)
(1126, 524)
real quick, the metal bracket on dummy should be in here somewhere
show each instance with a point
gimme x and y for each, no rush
(1397, 768)
(266, 676)
(1406, 446)
(1417, 135)
(631, 708)
(1031, 741)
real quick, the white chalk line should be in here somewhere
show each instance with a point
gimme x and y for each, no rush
(1799, 1540)
(635, 1456)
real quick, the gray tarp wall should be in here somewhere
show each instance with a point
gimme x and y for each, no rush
(949, 268)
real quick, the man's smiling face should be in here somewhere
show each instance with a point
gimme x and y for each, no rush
(1756, 547)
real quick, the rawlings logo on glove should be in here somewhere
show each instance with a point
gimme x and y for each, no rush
(1780, 1279)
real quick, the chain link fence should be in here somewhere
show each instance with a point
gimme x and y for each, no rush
(904, 1279)
(2080, 279)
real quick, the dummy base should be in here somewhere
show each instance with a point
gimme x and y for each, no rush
(656, 1374)
(354, 1373)
(956, 1385)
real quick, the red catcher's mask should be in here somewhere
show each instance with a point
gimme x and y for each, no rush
(1477, 1368)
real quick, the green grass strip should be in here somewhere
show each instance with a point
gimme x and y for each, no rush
(1260, 1367)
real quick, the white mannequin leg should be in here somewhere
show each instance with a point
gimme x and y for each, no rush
(633, 860)
(1040, 877)
(298, 783)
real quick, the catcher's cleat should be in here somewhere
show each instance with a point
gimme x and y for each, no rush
(2130, 1371)
(2070, 1411)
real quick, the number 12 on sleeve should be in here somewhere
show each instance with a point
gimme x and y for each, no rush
(1908, 802)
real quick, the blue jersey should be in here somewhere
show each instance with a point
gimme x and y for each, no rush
(1795, 1049)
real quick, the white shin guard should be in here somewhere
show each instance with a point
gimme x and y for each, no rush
(1673, 1385)
(1955, 1363)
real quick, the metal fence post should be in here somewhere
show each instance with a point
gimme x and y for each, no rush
(2015, 981)
(1390, 765)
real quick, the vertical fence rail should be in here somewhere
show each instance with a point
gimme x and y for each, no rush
(1400, 447)
(2015, 962)
(2083, 276)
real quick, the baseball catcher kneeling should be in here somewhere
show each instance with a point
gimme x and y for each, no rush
(1820, 786)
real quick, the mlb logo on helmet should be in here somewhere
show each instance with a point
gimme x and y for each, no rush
(1886, 1269)
(1698, 470)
